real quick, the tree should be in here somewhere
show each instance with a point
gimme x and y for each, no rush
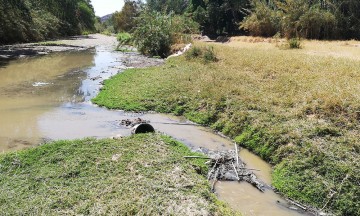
(218, 16)
(167, 6)
(124, 21)
(315, 19)
(31, 20)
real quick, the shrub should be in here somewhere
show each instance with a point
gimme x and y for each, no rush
(156, 33)
(124, 38)
(294, 43)
(152, 35)
(194, 52)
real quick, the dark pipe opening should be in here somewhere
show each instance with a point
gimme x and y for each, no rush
(143, 128)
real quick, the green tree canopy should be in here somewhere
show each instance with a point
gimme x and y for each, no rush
(29, 20)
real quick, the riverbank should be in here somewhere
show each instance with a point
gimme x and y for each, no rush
(74, 44)
(66, 177)
(142, 174)
(296, 111)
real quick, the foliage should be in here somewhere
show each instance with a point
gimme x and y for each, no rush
(294, 43)
(302, 18)
(194, 52)
(124, 21)
(156, 32)
(263, 21)
(284, 105)
(153, 35)
(141, 174)
(167, 6)
(124, 38)
(209, 54)
(205, 53)
(214, 16)
(25, 20)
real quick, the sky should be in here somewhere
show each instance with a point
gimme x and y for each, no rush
(104, 7)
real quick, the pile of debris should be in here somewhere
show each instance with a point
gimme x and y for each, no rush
(133, 122)
(138, 125)
(227, 166)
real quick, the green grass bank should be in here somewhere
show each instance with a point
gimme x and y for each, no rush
(137, 175)
(298, 111)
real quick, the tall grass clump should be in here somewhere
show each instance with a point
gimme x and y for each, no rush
(207, 54)
(194, 52)
(294, 43)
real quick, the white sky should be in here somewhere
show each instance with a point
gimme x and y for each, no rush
(104, 7)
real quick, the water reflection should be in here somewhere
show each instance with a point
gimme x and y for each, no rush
(23, 100)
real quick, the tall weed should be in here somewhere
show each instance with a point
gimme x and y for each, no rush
(207, 54)
(294, 43)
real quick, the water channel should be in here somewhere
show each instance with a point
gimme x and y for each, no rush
(48, 98)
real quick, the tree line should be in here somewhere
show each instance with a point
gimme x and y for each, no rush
(35, 20)
(312, 19)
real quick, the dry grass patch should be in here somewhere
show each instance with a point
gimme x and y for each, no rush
(300, 112)
(337, 49)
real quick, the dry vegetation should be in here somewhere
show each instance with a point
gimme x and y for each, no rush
(340, 49)
(298, 110)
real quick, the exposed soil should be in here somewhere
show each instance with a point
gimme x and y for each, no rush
(135, 60)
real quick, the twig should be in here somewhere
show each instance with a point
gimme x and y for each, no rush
(237, 174)
(174, 123)
(332, 194)
(297, 204)
(248, 169)
(215, 180)
(237, 155)
(199, 157)
(212, 170)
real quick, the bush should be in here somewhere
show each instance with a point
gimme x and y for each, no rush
(124, 38)
(153, 34)
(156, 33)
(294, 43)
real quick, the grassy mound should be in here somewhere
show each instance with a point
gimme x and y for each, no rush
(138, 175)
(298, 111)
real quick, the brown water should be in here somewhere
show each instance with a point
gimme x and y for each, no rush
(47, 98)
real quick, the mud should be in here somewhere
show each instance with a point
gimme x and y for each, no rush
(76, 43)
(135, 60)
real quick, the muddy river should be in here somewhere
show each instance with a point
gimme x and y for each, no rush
(48, 98)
